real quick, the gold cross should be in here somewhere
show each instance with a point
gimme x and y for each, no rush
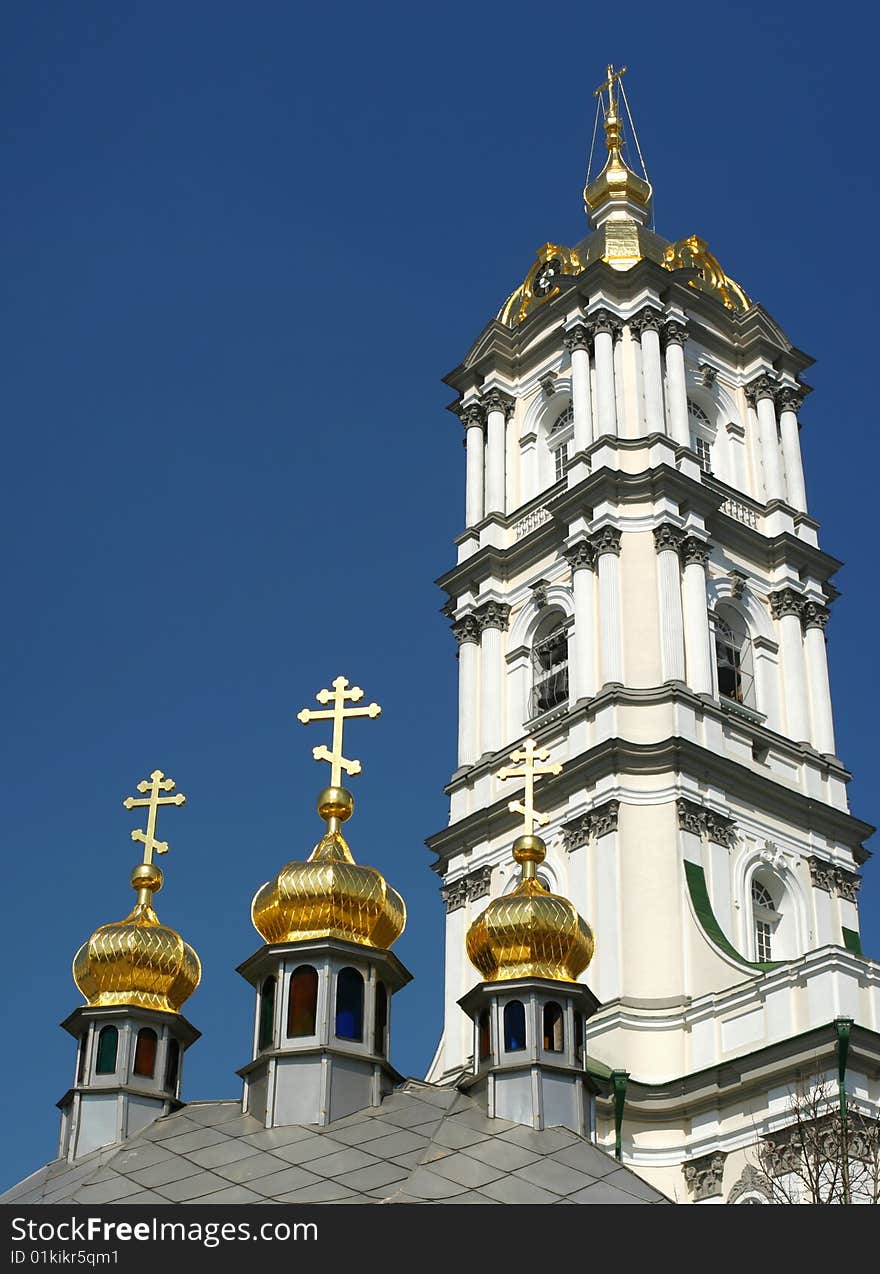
(609, 83)
(157, 783)
(530, 756)
(338, 714)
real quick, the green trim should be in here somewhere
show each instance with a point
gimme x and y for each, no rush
(696, 881)
(852, 941)
(619, 1079)
(598, 1069)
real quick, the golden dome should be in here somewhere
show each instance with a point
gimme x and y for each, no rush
(330, 895)
(530, 933)
(138, 961)
(615, 182)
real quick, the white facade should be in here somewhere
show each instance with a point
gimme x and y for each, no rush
(639, 586)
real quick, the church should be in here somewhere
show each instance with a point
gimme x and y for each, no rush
(650, 870)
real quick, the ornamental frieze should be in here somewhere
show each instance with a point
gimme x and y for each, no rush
(467, 888)
(597, 822)
(834, 880)
(703, 1176)
(700, 821)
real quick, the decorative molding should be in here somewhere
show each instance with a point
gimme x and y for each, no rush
(707, 375)
(466, 629)
(761, 387)
(454, 894)
(493, 615)
(785, 601)
(604, 321)
(821, 873)
(599, 821)
(751, 1181)
(738, 583)
(539, 593)
(472, 414)
(790, 398)
(495, 400)
(674, 333)
(548, 385)
(814, 615)
(703, 1176)
(580, 556)
(606, 541)
(694, 550)
(847, 884)
(701, 821)
(578, 337)
(467, 888)
(647, 319)
(667, 536)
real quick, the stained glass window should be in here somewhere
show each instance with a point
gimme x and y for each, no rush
(108, 1042)
(514, 1026)
(349, 1005)
(302, 1002)
(145, 1052)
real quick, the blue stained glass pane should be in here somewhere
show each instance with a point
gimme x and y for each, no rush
(349, 1005)
(514, 1026)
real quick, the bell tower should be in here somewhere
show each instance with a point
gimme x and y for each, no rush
(640, 589)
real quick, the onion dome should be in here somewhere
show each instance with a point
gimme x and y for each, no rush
(615, 183)
(330, 895)
(138, 961)
(530, 933)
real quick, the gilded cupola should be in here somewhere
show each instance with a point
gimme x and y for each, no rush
(616, 186)
(330, 895)
(139, 961)
(530, 932)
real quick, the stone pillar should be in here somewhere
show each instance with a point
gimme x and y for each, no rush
(581, 557)
(498, 407)
(467, 634)
(668, 540)
(814, 618)
(787, 606)
(674, 337)
(577, 345)
(472, 417)
(606, 546)
(492, 618)
(646, 325)
(761, 393)
(788, 401)
(694, 555)
(605, 329)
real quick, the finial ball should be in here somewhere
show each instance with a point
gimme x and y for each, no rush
(147, 876)
(336, 802)
(529, 849)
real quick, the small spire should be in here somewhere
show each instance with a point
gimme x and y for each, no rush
(156, 783)
(528, 849)
(617, 190)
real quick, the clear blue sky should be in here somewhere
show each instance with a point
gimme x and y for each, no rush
(241, 245)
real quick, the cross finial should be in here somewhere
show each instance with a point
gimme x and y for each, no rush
(341, 694)
(531, 767)
(608, 85)
(156, 783)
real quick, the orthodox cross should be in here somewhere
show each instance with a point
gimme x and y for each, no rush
(530, 768)
(156, 783)
(341, 694)
(608, 85)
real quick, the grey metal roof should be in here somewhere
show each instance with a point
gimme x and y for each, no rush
(424, 1144)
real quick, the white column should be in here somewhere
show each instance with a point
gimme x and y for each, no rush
(577, 343)
(787, 606)
(761, 391)
(582, 646)
(814, 619)
(492, 618)
(788, 400)
(604, 329)
(467, 634)
(647, 324)
(694, 554)
(472, 417)
(497, 406)
(667, 541)
(606, 545)
(675, 336)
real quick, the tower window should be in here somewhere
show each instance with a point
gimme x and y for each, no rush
(108, 1043)
(81, 1057)
(560, 442)
(766, 918)
(349, 1005)
(514, 1026)
(554, 1031)
(380, 1028)
(302, 1002)
(145, 1052)
(550, 667)
(702, 435)
(172, 1066)
(703, 448)
(484, 1035)
(579, 1036)
(267, 1014)
(733, 657)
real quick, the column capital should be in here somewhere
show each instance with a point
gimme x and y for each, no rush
(578, 337)
(762, 386)
(466, 629)
(496, 400)
(472, 414)
(667, 536)
(673, 332)
(814, 615)
(648, 319)
(606, 541)
(580, 556)
(694, 550)
(785, 601)
(492, 615)
(604, 321)
(599, 821)
(700, 821)
(703, 1176)
(790, 398)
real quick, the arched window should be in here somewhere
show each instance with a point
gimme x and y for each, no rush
(145, 1052)
(765, 919)
(484, 1033)
(579, 1036)
(108, 1042)
(380, 1027)
(733, 656)
(514, 1026)
(172, 1066)
(554, 1030)
(81, 1057)
(267, 1014)
(549, 665)
(302, 1002)
(559, 440)
(702, 435)
(349, 1005)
